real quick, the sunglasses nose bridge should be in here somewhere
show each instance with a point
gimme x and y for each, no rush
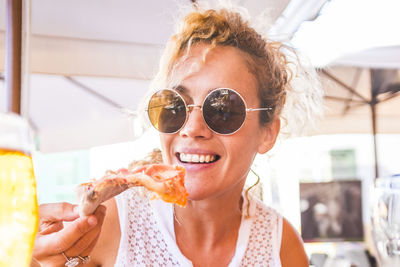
(190, 107)
(194, 126)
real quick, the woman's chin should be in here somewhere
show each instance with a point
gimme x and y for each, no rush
(196, 193)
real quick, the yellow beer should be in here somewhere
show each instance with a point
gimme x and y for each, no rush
(18, 208)
(18, 202)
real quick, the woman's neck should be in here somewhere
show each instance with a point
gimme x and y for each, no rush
(209, 226)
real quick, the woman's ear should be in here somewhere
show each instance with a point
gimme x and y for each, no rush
(269, 135)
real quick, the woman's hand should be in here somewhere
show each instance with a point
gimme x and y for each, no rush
(56, 242)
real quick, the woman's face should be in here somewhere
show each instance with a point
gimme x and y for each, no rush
(229, 156)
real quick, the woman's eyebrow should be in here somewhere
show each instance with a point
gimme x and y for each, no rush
(184, 91)
(181, 89)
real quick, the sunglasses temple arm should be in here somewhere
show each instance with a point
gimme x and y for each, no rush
(129, 112)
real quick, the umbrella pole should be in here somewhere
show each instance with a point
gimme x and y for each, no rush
(13, 55)
(17, 55)
(373, 114)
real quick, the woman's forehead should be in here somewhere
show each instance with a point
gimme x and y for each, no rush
(203, 69)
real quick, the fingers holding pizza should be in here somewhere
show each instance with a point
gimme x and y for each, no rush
(63, 234)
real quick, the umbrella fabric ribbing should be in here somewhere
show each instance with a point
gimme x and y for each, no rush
(361, 100)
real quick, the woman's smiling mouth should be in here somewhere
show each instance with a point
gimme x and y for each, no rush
(197, 158)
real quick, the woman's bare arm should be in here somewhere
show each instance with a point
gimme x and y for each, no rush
(292, 250)
(105, 252)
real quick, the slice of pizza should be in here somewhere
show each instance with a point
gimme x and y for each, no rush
(166, 181)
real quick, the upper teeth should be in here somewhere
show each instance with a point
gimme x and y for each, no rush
(196, 157)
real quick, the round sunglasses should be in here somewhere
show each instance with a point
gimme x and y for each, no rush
(224, 111)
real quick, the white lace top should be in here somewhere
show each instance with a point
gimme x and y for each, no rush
(148, 237)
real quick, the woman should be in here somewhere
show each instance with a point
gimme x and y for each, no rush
(224, 87)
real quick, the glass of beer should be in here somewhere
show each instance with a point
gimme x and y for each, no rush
(18, 201)
(386, 220)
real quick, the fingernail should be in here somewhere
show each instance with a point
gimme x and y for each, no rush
(92, 220)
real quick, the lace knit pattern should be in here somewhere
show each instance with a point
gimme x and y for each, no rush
(265, 238)
(143, 244)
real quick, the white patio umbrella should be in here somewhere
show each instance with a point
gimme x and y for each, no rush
(356, 46)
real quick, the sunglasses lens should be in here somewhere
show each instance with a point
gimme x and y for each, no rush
(167, 111)
(224, 111)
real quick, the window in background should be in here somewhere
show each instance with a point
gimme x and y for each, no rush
(343, 162)
(58, 174)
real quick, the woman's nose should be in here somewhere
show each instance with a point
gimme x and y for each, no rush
(195, 126)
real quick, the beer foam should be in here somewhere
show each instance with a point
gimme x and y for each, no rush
(15, 133)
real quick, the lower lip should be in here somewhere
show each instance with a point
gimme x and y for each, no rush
(195, 167)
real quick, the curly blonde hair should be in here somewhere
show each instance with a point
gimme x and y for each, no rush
(267, 60)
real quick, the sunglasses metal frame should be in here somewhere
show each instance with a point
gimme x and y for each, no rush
(190, 107)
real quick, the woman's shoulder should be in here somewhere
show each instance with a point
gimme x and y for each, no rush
(292, 251)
